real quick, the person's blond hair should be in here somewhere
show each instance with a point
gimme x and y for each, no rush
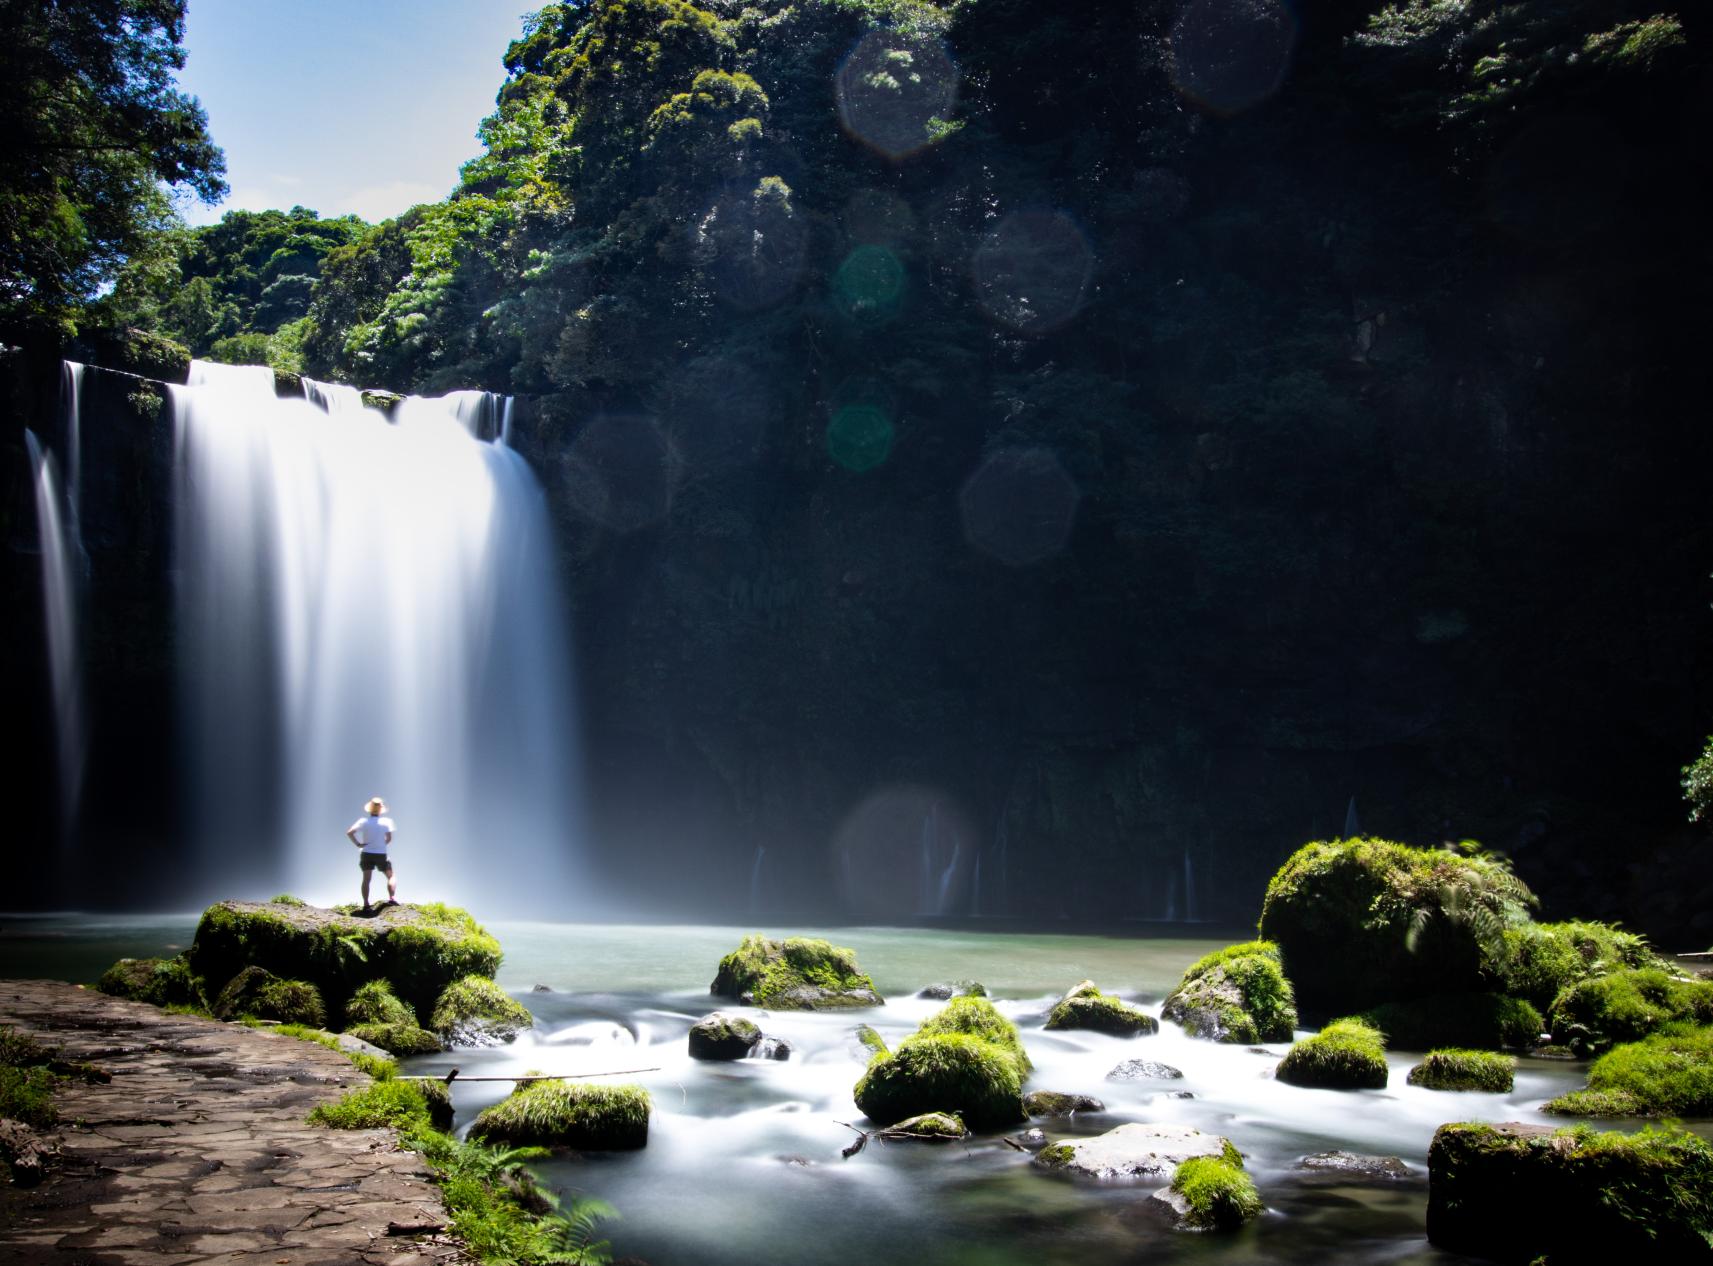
(376, 805)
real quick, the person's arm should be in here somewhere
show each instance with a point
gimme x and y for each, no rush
(351, 833)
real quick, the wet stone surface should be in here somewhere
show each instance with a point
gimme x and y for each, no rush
(197, 1151)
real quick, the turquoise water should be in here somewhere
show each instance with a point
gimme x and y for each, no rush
(743, 1165)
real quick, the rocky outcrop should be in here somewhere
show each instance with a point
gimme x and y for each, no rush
(474, 1011)
(798, 974)
(568, 1114)
(721, 1036)
(1086, 1007)
(1238, 994)
(1135, 1151)
(1052, 1103)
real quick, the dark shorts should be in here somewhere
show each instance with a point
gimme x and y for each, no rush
(375, 861)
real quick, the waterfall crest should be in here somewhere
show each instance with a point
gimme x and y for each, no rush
(369, 608)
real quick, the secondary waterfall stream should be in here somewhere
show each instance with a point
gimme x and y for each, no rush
(368, 607)
(59, 606)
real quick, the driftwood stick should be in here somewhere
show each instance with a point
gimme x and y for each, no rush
(611, 1072)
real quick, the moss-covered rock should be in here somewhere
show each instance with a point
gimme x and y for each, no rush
(1237, 994)
(870, 1040)
(1515, 1193)
(1624, 1006)
(135, 351)
(946, 1072)
(947, 990)
(1490, 1021)
(161, 981)
(1345, 1055)
(376, 1003)
(1134, 1151)
(475, 1011)
(257, 993)
(1465, 1070)
(977, 1017)
(721, 1036)
(1086, 1007)
(1217, 1194)
(1365, 921)
(418, 949)
(800, 973)
(1539, 961)
(568, 1114)
(930, 1127)
(408, 1038)
(1668, 1074)
(1053, 1103)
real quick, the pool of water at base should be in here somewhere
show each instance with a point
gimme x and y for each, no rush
(744, 1166)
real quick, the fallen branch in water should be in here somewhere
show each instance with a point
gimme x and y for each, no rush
(452, 1076)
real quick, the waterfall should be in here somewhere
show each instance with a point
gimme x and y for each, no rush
(59, 606)
(1171, 899)
(1352, 827)
(943, 895)
(71, 412)
(925, 873)
(755, 879)
(1190, 912)
(370, 609)
(333, 397)
(1002, 857)
(975, 888)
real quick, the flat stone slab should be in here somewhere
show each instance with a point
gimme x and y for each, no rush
(1355, 1167)
(197, 1150)
(1131, 1152)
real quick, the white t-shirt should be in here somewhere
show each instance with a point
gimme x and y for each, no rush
(372, 833)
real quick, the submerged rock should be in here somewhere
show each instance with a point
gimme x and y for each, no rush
(1052, 1103)
(930, 1127)
(954, 989)
(568, 1114)
(798, 974)
(1355, 1167)
(774, 1048)
(1033, 1139)
(1133, 1151)
(721, 1036)
(1086, 1007)
(870, 1040)
(1144, 1070)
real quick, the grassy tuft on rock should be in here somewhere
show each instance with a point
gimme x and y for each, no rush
(475, 1011)
(1086, 1007)
(1489, 1021)
(376, 1003)
(384, 1103)
(1465, 1070)
(1667, 1074)
(977, 1017)
(1346, 1055)
(1220, 1195)
(568, 1114)
(799, 973)
(397, 1039)
(930, 1127)
(945, 1072)
(1236, 994)
(161, 981)
(1539, 961)
(1624, 1006)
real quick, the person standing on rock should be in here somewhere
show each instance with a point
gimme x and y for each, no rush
(371, 834)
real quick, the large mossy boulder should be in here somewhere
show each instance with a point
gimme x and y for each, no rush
(568, 1114)
(800, 973)
(1135, 1151)
(721, 1036)
(1345, 1055)
(1237, 994)
(1669, 1074)
(1490, 1021)
(1625, 1006)
(1539, 961)
(959, 1073)
(257, 994)
(1365, 921)
(474, 1011)
(418, 949)
(1465, 1070)
(164, 982)
(977, 1017)
(1085, 1007)
(1520, 1193)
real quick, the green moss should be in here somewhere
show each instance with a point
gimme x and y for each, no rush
(1052, 1103)
(286, 899)
(568, 1114)
(160, 981)
(1488, 1020)
(1085, 1007)
(932, 1126)
(722, 1036)
(871, 1039)
(385, 1103)
(1669, 1074)
(26, 1080)
(1219, 1194)
(1597, 1014)
(1541, 960)
(946, 1072)
(408, 1038)
(1360, 922)
(977, 1017)
(379, 1069)
(1465, 1070)
(1236, 994)
(1056, 1154)
(475, 1011)
(259, 994)
(375, 1003)
(1346, 1055)
(800, 973)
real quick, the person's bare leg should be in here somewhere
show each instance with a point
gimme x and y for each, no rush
(392, 888)
(367, 874)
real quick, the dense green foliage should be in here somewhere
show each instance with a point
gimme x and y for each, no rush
(568, 1114)
(1465, 1070)
(1626, 1005)
(977, 1017)
(26, 1082)
(1698, 784)
(1236, 994)
(1669, 1074)
(1540, 960)
(375, 1003)
(94, 123)
(1365, 921)
(798, 973)
(1219, 1193)
(1086, 1007)
(161, 981)
(1486, 1020)
(256, 993)
(1346, 1055)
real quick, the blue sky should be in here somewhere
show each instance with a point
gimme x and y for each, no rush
(345, 105)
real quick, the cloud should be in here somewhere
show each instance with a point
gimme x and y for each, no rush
(383, 201)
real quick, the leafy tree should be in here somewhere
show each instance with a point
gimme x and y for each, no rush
(1698, 784)
(94, 125)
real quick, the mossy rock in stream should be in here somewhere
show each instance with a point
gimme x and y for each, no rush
(1238, 994)
(1490, 1021)
(162, 981)
(257, 993)
(474, 1011)
(1086, 1007)
(376, 1015)
(568, 1114)
(1521, 1193)
(1668, 1074)
(417, 949)
(946, 1072)
(721, 1036)
(977, 1017)
(930, 1127)
(397, 1039)
(1465, 1070)
(1214, 1194)
(800, 973)
(1345, 1055)
(1365, 921)
(1625, 1006)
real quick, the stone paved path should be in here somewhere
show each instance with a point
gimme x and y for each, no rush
(197, 1150)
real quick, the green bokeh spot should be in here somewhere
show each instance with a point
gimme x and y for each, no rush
(870, 282)
(859, 437)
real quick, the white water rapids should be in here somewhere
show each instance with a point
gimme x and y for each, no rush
(368, 607)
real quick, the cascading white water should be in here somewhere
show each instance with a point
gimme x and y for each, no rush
(755, 879)
(1191, 915)
(59, 605)
(943, 897)
(369, 608)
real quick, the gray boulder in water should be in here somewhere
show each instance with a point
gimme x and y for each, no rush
(1144, 1070)
(721, 1036)
(1135, 1151)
